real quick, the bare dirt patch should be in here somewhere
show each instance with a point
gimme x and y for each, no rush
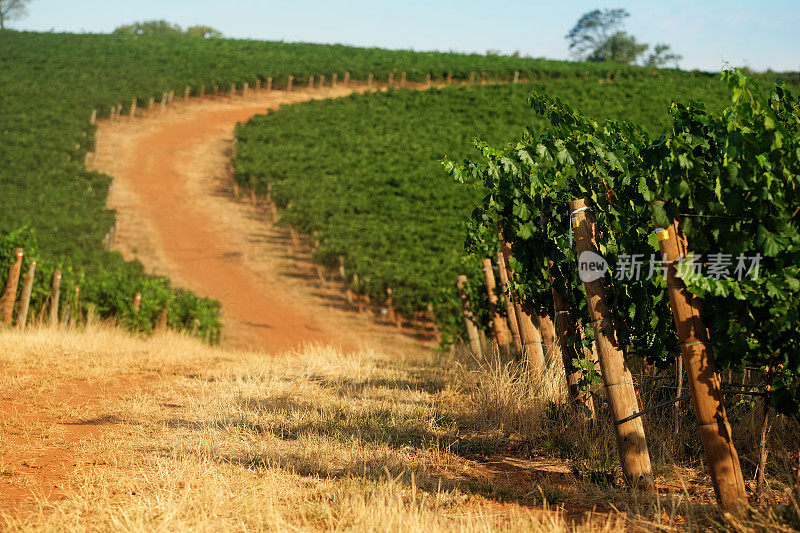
(178, 215)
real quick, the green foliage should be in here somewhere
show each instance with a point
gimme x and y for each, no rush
(162, 27)
(362, 174)
(731, 180)
(662, 56)
(110, 287)
(592, 32)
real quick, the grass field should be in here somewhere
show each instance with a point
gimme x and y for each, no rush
(184, 436)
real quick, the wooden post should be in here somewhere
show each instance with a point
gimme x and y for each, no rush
(472, 78)
(186, 92)
(428, 79)
(529, 333)
(119, 111)
(311, 82)
(370, 79)
(511, 313)
(334, 78)
(321, 81)
(516, 76)
(449, 78)
(25, 297)
(137, 302)
(10, 294)
(403, 80)
(258, 85)
(704, 381)
(437, 333)
(345, 284)
(616, 375)
(483, 78)
(245, 90)
(501, 335)
(164, 103)
(390, 83)
(55, 295)
(469, 318)
(76, 310)
(232, 92)
(289, 83)
(391, 314)
(347, 79)
(133, 108)
(161, 325)
(150, 105)
(269, 85)
(93, 118)
(202, 92)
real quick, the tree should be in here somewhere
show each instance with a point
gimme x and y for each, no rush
(149, 27)
(12, 9)
(593, 31)
(662, 56)
(619, 48)
(205, 32)
(162, 27)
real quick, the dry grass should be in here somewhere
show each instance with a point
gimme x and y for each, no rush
(187, 437)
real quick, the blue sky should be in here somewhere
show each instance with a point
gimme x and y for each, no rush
(708, 34)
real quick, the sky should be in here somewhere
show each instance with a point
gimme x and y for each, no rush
(709, 34)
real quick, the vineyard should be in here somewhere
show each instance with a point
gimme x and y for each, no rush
(609, 289)
(367, 184)
(51, 85)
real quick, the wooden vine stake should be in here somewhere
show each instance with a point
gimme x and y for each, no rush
(449, 78)
(403, 80)
(55, 295)
(137, 302)
(516, 76)
(511, 312)
(134, 103)
(566, 328)
(469, 318)
(311, 82)
(289, 83)
(347, 79)
(93, 118)
(334, 79)
(186, 92)
(391, 79)
(704, 380)
(161, 325)
(501, 334)
(472, 78)
(391, 313)
(617, 377)
(269, 85)
(529, 333)
(10, 294)
(151, 103)
(25, 297)
(370, 80)
(428, 79)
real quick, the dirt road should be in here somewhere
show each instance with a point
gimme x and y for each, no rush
(177, 215)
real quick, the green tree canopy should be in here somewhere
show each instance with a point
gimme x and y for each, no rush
(162, 27)
(598, 36)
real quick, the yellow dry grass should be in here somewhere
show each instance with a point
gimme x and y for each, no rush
(191, 437)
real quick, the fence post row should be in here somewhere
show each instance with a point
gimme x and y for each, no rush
(703, 378)
(10, 293)
(501, 333)
(469, 318)
(25, 297)
(616, 375)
